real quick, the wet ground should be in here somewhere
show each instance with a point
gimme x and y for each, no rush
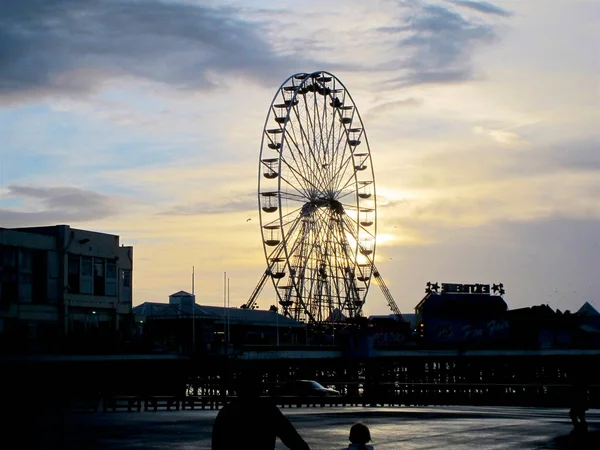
(481, 428)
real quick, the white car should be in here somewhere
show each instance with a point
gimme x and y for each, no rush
(308, 388)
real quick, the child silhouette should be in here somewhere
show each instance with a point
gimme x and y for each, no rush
(359, 437)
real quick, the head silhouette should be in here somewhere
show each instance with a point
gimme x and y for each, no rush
(359, 434)
(248, 383)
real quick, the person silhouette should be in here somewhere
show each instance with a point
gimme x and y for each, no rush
(253, 422)
(579, 404)
(359, 437)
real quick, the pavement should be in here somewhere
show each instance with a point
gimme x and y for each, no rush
(481, 428)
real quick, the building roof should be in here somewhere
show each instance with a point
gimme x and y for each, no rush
(534, 312)
(236, 316)
(181, 294)
(461, 305)
(587, 310)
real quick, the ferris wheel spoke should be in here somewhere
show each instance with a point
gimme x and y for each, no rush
(299, 156)
(321, 135)
(312, 126)
(292, 196)
(304, 126)
(336, 141)
(307, 179)
(301, 193)
(348, 152)
(328, 127)
(303, 255)
(346, 268)
(343, 161)
(345, 173)
(341, 156)
(290, 137)
(350, 179)
(291, 200)
(332, 224)
(314, 165)
(296, 168)
(308, 163)
(354, 225)
(290, 218)
(338, 124)
(320, 163)
(365, 242)
(336, 263)
(344, 196)
(333, 144)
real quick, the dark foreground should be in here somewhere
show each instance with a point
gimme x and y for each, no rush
(445, 428)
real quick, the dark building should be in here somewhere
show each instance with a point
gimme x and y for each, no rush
(466, 314)
(63, 289)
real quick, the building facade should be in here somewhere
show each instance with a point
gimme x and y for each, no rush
(63, 288)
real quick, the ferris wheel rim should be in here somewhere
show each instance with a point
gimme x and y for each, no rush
(285, 245)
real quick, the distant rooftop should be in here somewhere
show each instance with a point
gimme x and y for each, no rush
(218, 314)
(588, 310)
(181, 294)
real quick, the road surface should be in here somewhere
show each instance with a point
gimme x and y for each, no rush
(481, 428)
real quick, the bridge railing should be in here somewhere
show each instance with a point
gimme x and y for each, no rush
(407, 395)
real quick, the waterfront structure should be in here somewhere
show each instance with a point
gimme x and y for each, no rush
(63, 289)
(183, 325)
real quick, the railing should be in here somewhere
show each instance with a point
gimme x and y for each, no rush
(415, 394)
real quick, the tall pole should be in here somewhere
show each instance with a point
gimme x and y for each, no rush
(193, 314)
(277, 319)
(228, 319)
(225, 310)
(226, 365)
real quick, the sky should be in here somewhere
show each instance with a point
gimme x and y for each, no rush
(144, 119)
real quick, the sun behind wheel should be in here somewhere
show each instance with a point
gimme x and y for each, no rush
(317, 202)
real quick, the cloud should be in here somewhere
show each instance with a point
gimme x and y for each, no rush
(76, 46)
(483, 7)
(473, 165)
(387, 107)
(51, 205)
(241, 203)
(474, 186)
(441, 42)
(503, 137)
(551, 260)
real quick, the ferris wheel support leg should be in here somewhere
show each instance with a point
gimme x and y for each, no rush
(386, 292)
(257, 290)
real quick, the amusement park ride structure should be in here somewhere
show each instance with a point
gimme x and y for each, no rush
(317, 202)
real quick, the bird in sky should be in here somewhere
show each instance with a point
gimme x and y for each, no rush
(248, 219)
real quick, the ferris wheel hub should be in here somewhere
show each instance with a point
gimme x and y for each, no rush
(332, 204)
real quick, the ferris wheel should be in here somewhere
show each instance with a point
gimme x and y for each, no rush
(317, 200)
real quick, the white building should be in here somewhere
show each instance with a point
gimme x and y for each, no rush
(60, 285)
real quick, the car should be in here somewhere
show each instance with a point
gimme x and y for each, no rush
(307, 388)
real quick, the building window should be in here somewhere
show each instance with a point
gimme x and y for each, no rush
(126, 278)
(111, 277)
(74, 274)
(99, 278)
(8, 276)
(25, 276)
(40, 276)
(87, 275)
